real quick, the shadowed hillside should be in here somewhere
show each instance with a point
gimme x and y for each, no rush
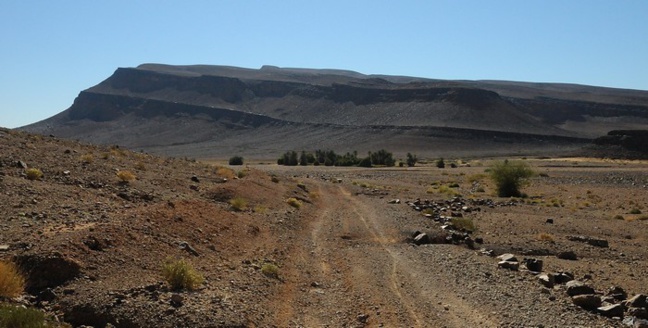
(212, 111)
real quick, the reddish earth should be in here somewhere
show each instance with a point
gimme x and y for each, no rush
(344, 258)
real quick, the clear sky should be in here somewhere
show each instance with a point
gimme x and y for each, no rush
(52, 50)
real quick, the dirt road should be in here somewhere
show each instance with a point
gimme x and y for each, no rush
(353, 268)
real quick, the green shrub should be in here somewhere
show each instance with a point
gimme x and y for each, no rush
(509, 177)
(270, 270)
(12, 282)
(440, 163)
(236, 160)
(411, 159)
(274, 179)
(181, 275)
(21, 317)
(465, 224)
(238, 203)
(618, 217)
(635, 211)
(294, 202)
(241, 174)
(34, 174)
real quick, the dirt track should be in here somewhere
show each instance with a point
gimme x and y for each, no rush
(351, 266)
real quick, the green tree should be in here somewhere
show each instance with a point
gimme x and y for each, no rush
(303, 159)
(510, 176)
(382, 157)
(411, 159)
(236, 160)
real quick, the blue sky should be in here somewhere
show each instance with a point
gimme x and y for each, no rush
(51, 50)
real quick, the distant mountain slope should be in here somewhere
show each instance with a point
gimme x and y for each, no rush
(198, 110)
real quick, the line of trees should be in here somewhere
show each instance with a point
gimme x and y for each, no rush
(330, 158)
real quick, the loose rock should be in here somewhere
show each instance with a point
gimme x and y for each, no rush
(576, 287)
(587, 301)
(567, 255)
(614, 310)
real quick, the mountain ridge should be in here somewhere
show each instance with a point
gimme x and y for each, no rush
(226, 99)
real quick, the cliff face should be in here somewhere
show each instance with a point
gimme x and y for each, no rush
(151, 106)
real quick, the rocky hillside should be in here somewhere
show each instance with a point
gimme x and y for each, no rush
(212, 111)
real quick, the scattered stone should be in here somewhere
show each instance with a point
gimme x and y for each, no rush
(617, 293)
(567, 255)
(184, 245)
(549, 221)
(479, 240)
(614, 310)
(641, 313)
(638, 300)
(576, 287)
(421, 238)
(469, 242)
(509, 265)
(635, 322)
(394, 201)
(21, 164)
(587, 301)
(547, 279)
(507, 257)
(176, 300)
(124, 195)
(563, 277)
(363, 318)
(534, 265)
(4, 248)
(195, 179)
(589, 240)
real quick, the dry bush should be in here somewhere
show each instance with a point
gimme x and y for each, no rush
(546, 237)
(181, 275)
(465, 224)
(87, 158)
(238, 203)
(294, 202)
(34, 174)
(270, 270)
(140, 166)
(12, 282)
(126, 176)
(225, 173)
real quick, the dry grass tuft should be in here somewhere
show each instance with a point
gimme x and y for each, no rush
(546, 237)
(225, 173)
(12, 282)
(34, 174)
(238, 203)
(294, 202)
(126, 176)
(181, 275)
(270, 270)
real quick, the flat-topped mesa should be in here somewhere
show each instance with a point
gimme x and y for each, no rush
(155, 106)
